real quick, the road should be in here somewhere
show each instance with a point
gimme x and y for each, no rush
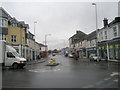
(68, 74)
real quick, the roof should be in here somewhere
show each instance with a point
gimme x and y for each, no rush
(4, 13)
(79, 36)
(13, 20)
(27, 26)
(91, 36)
(116, 20)
(42, 45)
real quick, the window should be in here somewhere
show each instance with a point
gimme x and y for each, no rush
(3, 37)
(115, 31)
(13, 38)
(14, 25)
(105, 34)
(10, 55)
(3, 22)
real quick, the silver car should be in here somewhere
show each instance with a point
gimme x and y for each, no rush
(94, 57)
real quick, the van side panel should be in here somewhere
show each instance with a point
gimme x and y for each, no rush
(2, 51)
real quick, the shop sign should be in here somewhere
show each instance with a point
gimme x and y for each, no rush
(111, 46)
(100, 48)
(103, 47)
(117, 46)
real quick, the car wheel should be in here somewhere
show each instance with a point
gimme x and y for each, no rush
(97, 60)
(15, 66)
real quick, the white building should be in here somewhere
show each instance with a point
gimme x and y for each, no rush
(109, 40)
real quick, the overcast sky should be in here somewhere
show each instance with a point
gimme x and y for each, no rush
(60, 19)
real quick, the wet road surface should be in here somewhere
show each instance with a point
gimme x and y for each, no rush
(68, 74)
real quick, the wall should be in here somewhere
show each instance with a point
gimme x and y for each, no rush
(20, 35)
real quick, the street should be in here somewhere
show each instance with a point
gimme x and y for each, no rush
(68, 74)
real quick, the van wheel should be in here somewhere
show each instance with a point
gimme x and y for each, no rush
(15, 66)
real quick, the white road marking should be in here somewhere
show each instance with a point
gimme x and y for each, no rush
(116, 80)
(90, 86)
(100, 82)
(107, 78)
(114, 74)
(43, 70)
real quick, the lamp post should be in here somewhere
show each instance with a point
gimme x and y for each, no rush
(34, 27)
(46, 41)
(96, 28)
(63, 43)
(34, 41)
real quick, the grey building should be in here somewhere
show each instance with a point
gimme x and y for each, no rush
(3, 24)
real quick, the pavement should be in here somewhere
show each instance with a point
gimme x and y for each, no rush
(36, 61)
(87, 60)
(80, 59)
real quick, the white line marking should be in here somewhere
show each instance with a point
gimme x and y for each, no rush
(114, 73)
(107, 78)
(116, 80)
(90, 86)
(43, 70)
(100, 82)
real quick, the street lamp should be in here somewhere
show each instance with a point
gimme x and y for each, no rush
(34, 41)
(96, 28)
(46, 41)
(34, 27)
(63, 43)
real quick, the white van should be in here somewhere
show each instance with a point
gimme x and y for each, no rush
(9, 56)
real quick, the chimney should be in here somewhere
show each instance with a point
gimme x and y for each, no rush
(77, 32)
(105, 22)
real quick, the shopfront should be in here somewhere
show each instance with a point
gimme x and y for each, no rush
(91, 51)
(113, 48)
(102, 50)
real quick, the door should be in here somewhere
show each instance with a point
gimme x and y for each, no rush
(9, 59)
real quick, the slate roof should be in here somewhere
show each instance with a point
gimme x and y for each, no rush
(79, 36)
(116, 20)
(91, 36)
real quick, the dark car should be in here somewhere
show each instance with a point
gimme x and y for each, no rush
(53, 54)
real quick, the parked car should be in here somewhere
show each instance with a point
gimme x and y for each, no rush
(70, 55)
(53, 54)
(66, 53)
(94, 57)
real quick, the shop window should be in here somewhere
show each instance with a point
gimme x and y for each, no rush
(111, 52)
(3, 37)
(117, 51)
